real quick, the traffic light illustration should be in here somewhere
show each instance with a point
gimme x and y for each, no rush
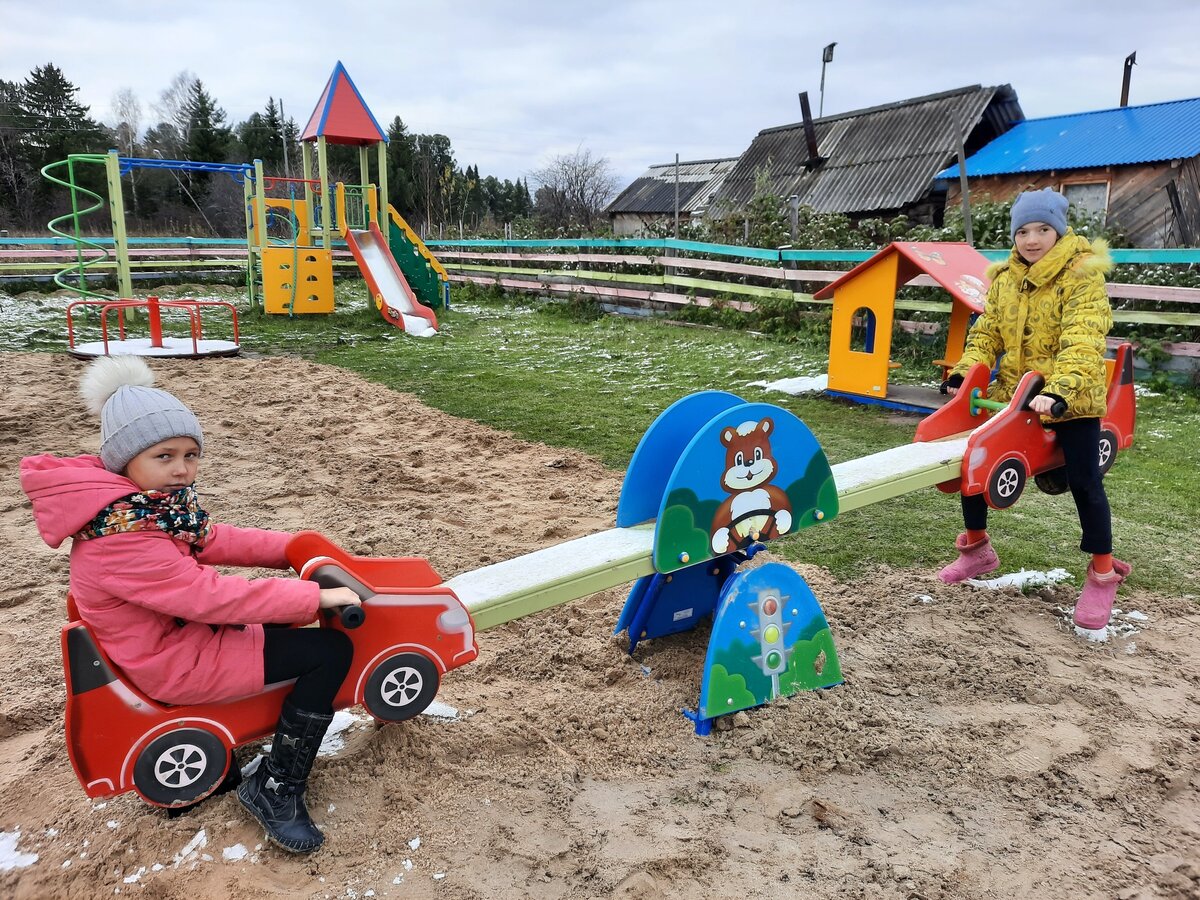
(771, 634)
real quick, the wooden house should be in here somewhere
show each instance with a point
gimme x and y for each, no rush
(879, 161)
(1136, 168)
(652, 197)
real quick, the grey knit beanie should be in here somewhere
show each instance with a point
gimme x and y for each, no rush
(1046, 205)
(134, 415)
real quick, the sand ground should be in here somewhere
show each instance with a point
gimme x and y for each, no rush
(976, 750)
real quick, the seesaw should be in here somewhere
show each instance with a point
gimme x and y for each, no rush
(712, 480)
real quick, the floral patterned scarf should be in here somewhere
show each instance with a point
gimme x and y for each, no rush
(178, 513)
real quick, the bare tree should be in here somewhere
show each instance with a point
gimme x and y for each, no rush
(172, 106)
(574, 188)
(127, 123)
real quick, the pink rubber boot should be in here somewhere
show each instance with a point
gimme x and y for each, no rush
(973, 560)
(1094, 606)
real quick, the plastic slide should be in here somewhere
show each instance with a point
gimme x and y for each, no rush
(393, 297)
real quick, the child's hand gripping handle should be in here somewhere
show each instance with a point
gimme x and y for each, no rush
(342, 594)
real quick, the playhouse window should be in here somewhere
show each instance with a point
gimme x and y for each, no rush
(862, 331)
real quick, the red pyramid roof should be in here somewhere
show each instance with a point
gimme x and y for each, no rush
(341, 116)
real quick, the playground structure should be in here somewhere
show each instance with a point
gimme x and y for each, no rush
(864, 300)
(711, 482)
(195, 345)
(291, 225)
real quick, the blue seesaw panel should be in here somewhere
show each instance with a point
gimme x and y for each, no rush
(659, 450)
(769, 639)
(752, 473)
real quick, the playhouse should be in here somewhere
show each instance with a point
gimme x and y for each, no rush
(864, 304)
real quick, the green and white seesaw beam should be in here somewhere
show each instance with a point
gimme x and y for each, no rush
(519, 587)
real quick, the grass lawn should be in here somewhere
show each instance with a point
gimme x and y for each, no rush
(595, 384)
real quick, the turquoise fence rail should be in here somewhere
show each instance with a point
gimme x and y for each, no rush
(1174, 257)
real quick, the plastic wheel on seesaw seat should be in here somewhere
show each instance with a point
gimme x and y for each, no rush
(401, 687)
(1108, 449)
(1006, 484)
(180, 766)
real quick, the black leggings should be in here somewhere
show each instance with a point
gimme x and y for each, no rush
(318, 658)
(1080, 442)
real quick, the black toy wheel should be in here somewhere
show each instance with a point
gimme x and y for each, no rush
(1052, 482)
(1108, 450)
(401, 687)
(180, 766)
(1006, 484)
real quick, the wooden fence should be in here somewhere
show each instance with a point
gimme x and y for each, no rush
(631, 276)
(637, 275)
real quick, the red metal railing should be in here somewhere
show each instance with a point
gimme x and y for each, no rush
(154, 307)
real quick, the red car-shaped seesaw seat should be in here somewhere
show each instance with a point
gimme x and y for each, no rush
(1012, 445)
(410, 631)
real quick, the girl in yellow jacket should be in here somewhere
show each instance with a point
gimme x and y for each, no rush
(1047, 311)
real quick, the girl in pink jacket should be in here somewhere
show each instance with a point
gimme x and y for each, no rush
(142, 577)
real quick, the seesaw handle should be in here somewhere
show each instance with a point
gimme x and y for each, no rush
(1059, 407)
(331, 576)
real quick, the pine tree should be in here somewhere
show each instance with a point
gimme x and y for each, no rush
(209, 138)
(56, 124)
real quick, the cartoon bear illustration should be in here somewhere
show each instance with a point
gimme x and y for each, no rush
(755, 508)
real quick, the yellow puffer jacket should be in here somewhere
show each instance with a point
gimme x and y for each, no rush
(1051, 317)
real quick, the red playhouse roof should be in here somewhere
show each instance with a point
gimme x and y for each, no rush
(958, 267)
(341, 116)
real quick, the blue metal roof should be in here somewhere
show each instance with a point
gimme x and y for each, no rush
(1107, 137)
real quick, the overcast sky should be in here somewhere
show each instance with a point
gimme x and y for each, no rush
(515, 83)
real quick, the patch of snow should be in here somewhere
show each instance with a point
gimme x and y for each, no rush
(886, 465)
(332, 807)
(802, 385)
(334, 740)
(440, 710)
(414, 843)
(234, 853)
(191, 848)
(407, 865)
(136, 876)
(924, 598)
(1137, 616)
(112, 823)
(1023, 579)
(10, 856)
(438, 876)
(399, 879)
(1092, 635)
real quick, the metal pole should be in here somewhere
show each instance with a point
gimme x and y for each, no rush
(826, 57)
(963, 188)
(676, 196)
(287, 168)
(1130, 62)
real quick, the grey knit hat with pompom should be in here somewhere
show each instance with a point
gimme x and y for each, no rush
(134, 415)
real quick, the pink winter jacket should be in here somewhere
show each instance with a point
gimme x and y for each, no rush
(180, 631)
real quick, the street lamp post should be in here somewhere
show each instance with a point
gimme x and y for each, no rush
(826, 58)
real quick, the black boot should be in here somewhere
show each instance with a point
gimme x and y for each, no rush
(274, 794)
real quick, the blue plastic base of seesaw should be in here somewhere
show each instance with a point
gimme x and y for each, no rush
(769, 638)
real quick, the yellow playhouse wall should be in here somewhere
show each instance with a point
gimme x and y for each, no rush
(314, 291)
(853, 371)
